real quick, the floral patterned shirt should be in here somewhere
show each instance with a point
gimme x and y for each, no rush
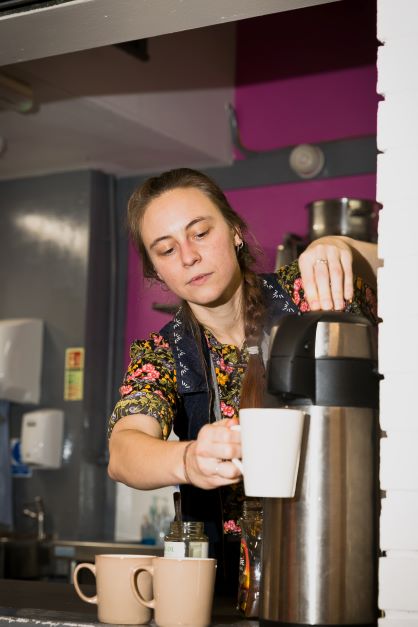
(150, 386)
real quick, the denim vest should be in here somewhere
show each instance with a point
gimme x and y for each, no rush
(198, 397)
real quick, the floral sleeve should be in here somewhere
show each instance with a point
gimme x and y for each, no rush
(364, 300)
(149, 386)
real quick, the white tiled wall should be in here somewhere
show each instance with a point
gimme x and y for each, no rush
(135, 507)
(397, 187)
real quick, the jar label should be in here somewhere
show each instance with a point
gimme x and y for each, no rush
(174, 549)
(198, 549)
(179, 549)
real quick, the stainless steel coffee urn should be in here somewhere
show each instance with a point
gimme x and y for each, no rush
(320, 548)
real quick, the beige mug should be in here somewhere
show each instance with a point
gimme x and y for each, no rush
(115, 601)
(183, 590)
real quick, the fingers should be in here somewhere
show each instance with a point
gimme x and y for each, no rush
(208, 457)
(323, 284)
(347, 266)
(336, 282)
(218, 441)
(227, 470)
(306, 267)
(327, 276)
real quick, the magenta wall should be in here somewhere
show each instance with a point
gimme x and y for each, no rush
(271, 212)
(302, 76)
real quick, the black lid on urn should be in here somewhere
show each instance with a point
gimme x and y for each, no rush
(324, 358)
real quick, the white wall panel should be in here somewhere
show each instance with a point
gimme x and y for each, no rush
(400, 163)
(399, 619)
(397, 413)
(399, 522)
(398, 299)
(399, 462)
(397, 121)
(396, 18)
(397, 27)
(398, 342)
(398, 582)
(398, 228)
(392, 58)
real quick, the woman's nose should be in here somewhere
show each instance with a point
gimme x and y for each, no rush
(189, 254)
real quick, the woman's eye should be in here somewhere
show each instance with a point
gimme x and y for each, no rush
(202, 234)
(167, 252)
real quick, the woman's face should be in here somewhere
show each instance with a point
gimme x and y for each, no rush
(191, 246)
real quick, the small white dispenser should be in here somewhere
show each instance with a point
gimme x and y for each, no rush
(41, 438)
(21, 360)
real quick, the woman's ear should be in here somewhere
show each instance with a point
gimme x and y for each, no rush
(237, 238)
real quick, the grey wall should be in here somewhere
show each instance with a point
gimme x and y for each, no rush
(58, 261)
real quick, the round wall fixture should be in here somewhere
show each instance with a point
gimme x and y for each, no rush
(307, 160)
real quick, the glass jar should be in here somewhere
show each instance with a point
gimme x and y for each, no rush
(186, 539)
(251, 524)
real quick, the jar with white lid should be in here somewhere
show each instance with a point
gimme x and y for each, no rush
(186, 539)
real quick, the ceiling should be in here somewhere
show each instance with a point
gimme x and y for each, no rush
(103, 108)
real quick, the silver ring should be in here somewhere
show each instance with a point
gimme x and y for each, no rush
(321, 260)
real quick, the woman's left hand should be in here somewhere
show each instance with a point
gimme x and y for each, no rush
(326, 268)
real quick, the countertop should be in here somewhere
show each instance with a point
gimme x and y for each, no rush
(81, 551)
(50, 604)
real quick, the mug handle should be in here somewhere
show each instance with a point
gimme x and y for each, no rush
(81, 594)
(235, 460)
(238, 464)
(134, 585)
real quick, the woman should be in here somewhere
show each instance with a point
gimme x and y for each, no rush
(206, 363)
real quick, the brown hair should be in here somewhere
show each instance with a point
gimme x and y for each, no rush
(253, 304)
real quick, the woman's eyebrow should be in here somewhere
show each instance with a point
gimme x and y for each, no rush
(188, 226)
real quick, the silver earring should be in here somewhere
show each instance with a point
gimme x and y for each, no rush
(239, 246)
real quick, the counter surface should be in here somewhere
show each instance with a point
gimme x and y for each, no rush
(50, 604)
(86, 551)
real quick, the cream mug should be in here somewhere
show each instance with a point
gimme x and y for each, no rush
(183, 590)
(115, 600)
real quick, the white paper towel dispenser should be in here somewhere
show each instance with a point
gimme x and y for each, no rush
(21, 359)
(41, 438)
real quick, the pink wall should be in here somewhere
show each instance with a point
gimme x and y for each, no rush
(306, 109)
(270, 212)
(141, 319)
(302, 76)
(307, 75)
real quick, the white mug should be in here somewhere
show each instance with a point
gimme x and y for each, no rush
(271, 440)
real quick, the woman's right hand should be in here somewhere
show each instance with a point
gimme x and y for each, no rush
(208, 459)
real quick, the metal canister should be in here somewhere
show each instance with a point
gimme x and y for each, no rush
(354, 217)
(320, 547)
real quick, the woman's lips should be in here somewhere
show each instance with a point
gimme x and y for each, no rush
(199, 279)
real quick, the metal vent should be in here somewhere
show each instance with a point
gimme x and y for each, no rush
(19, 6)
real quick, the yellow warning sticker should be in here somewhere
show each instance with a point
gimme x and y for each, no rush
(74, 374)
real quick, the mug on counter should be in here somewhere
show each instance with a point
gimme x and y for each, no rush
(271, 439)
(114, 598)
(183, 590)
